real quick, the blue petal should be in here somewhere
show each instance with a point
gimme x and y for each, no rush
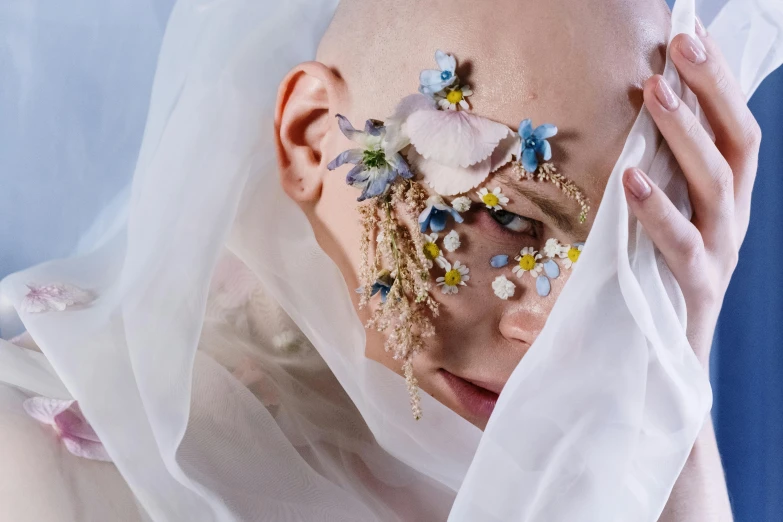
(525, 128)
(424, 218)
(399, 164)
(438, 220)
(431, 81)
(529, 160)
(379, 181)
(542, 286)
(545, 131)
(373, 127)
(384, 293)
(551, 269)
(359, 290)
(349, 156)
(545, 149)
(499, 261)
(357, 176)
(347, 129)
(455, 214)
(445, 62)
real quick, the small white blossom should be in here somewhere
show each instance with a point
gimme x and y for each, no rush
(451, 242)
(493, 200)
(553, 248)
(461, 204)
(528, 262)
(503, 288)
(432, 251)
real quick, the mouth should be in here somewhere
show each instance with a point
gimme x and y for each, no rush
(476, 397)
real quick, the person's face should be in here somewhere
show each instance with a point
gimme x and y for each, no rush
(580, 71)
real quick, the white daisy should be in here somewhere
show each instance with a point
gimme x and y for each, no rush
(461, 204)
(572, 255)
(454, 278)
(452, 98)
(503, 288)
(451, 242)
(554, 248)
(528, 262)
(494, 200)
(432, 251)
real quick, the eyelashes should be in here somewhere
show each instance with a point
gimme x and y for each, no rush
(514, 223)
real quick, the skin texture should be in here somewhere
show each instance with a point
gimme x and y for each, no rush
(370, 58)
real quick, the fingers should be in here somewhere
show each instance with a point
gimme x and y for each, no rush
(737, 133)
(706, 170)
(677, 238)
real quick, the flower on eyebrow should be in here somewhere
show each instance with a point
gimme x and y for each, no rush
(503, 288)
(436, 214)
(528, 262)
(461, 204)
(534, 143)
(454, 98)
(432, 251)
(432, 81)
(69, 424)
(493, 200)
(378, 162)
(455, 277)
(572, 256)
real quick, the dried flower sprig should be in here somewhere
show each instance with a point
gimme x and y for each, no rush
(548, 172)
(408, 300)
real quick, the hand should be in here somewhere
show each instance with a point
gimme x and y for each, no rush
(702, 253)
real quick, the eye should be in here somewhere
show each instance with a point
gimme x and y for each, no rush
(514, 222)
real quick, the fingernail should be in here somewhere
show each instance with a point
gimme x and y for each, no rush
(700, 29)
(637, 184)
(690, 50)
(666, 95)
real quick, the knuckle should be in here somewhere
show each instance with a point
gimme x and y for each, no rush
(722, 81)
(751, 135)
(692, 129)
(722, 182)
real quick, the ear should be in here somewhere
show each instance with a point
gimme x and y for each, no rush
(306, 100)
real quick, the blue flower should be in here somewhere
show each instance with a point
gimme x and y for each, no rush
(435, 80)
(436, 214)
(534, 143)
(377, 163)
(382, 284)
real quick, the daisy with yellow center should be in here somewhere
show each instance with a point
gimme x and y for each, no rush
(453, 98)
(494, 200)
(455, 277)
(432, 251)
(527, 261)
(573, 255)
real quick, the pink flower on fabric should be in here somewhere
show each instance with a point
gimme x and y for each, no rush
(70, 425)
(54, 298)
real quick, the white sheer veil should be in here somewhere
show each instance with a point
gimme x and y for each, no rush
(595, 423)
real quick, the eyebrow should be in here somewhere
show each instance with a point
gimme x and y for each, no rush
(562, 217)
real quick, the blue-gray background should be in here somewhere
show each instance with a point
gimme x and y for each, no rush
(748, 362)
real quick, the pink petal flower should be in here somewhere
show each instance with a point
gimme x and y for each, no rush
(54, 298)
(454, 138)
(70, 425)
(448, 181)
(396, 132)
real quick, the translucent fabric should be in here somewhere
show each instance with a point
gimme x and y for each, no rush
(223, 387)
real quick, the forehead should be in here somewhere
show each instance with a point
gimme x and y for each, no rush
(578, 65)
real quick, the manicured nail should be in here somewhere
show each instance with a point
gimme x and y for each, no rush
(691, 50)
(666, 95)
(637, 184)
(700, 29)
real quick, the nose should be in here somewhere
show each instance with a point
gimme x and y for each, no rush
(523, 322)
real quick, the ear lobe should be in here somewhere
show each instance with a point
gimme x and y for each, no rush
(305, 99)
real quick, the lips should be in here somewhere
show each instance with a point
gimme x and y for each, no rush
(477, 397)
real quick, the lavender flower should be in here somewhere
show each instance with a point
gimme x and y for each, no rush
(534, 143)
(377, 163)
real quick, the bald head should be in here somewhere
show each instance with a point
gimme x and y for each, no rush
(578, 65)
